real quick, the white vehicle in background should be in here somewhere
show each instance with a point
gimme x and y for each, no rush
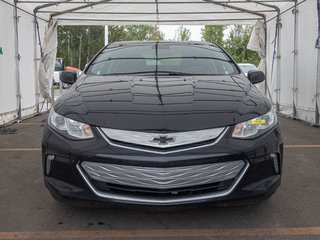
(246, 67)
(58, 68)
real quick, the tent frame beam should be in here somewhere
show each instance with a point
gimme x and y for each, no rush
(159, 2)
(225, 4)
(222, 4)
(89, 4)
(153, 21)
(228, 5)
(152, 13)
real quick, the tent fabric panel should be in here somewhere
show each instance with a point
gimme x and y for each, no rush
(307, 61)
(8, 100)
(257, 42)
(47, 63)
(270, 75)
(286, 65)
(318, 38)
(26, 50)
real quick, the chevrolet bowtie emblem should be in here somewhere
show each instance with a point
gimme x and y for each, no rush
(163, 139)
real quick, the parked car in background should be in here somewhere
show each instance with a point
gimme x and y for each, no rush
(162, 124)
(60, 67)
(246, 67)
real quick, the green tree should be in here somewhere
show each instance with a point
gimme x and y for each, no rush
(78, 44)
(144, 33)
(116, 33)
(182, 34)
(213, 34)
(236, 45)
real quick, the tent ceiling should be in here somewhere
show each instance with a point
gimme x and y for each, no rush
(117, 12)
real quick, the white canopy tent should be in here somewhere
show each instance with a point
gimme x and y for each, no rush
(290, 34)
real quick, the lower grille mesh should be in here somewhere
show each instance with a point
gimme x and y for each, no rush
(146, 192)
(122, 176)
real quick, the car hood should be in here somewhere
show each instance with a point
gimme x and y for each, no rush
(162, 103)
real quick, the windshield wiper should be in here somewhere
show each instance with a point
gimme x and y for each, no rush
(169, 73)
(174, 73)
(128, 73)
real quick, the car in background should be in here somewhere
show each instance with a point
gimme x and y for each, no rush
(246, 67)
(59, 67)
(162, 124)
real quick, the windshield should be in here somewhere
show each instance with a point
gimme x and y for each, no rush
(162, 58)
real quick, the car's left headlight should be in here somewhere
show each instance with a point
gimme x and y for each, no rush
(69, 127)
(255, 127)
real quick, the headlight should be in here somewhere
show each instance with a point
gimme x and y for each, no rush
(68, 126)
(255, 127)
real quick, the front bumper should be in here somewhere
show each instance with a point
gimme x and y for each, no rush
(67, 181)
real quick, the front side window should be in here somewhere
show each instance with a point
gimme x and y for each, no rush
(162, 58)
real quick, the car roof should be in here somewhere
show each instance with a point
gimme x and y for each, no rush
(167, 42)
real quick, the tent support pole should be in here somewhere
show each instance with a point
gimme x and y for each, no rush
(278, 85)
(295, 61)
(266, 66)
(35, 64)
(106, 35)
(317, 118)
(317, 45)
(17, 56)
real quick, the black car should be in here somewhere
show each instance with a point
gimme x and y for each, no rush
(162, 124)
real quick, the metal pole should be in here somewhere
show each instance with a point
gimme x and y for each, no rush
(89, 44)
(35, 64)
(278, 86)
(317, 117)
(17, 56)
(60, 86)
(106, 35)
(266, 61)
(295, 62)
(317, 120)
(80, 51)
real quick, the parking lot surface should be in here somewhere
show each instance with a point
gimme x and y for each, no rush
(27, 210)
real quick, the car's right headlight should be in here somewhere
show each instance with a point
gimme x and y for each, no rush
(255, 127)
(69, 127)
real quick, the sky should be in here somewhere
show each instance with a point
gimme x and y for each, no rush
(169, 31)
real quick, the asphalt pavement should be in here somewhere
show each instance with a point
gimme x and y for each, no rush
(27, 210)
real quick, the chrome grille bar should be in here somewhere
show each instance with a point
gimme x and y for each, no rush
(163, 178)
(162, 141)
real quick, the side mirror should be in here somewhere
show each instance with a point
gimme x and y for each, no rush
(68, 77)
(255, 76)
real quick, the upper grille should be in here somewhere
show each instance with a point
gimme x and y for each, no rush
(163, 178)
(162, 140)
